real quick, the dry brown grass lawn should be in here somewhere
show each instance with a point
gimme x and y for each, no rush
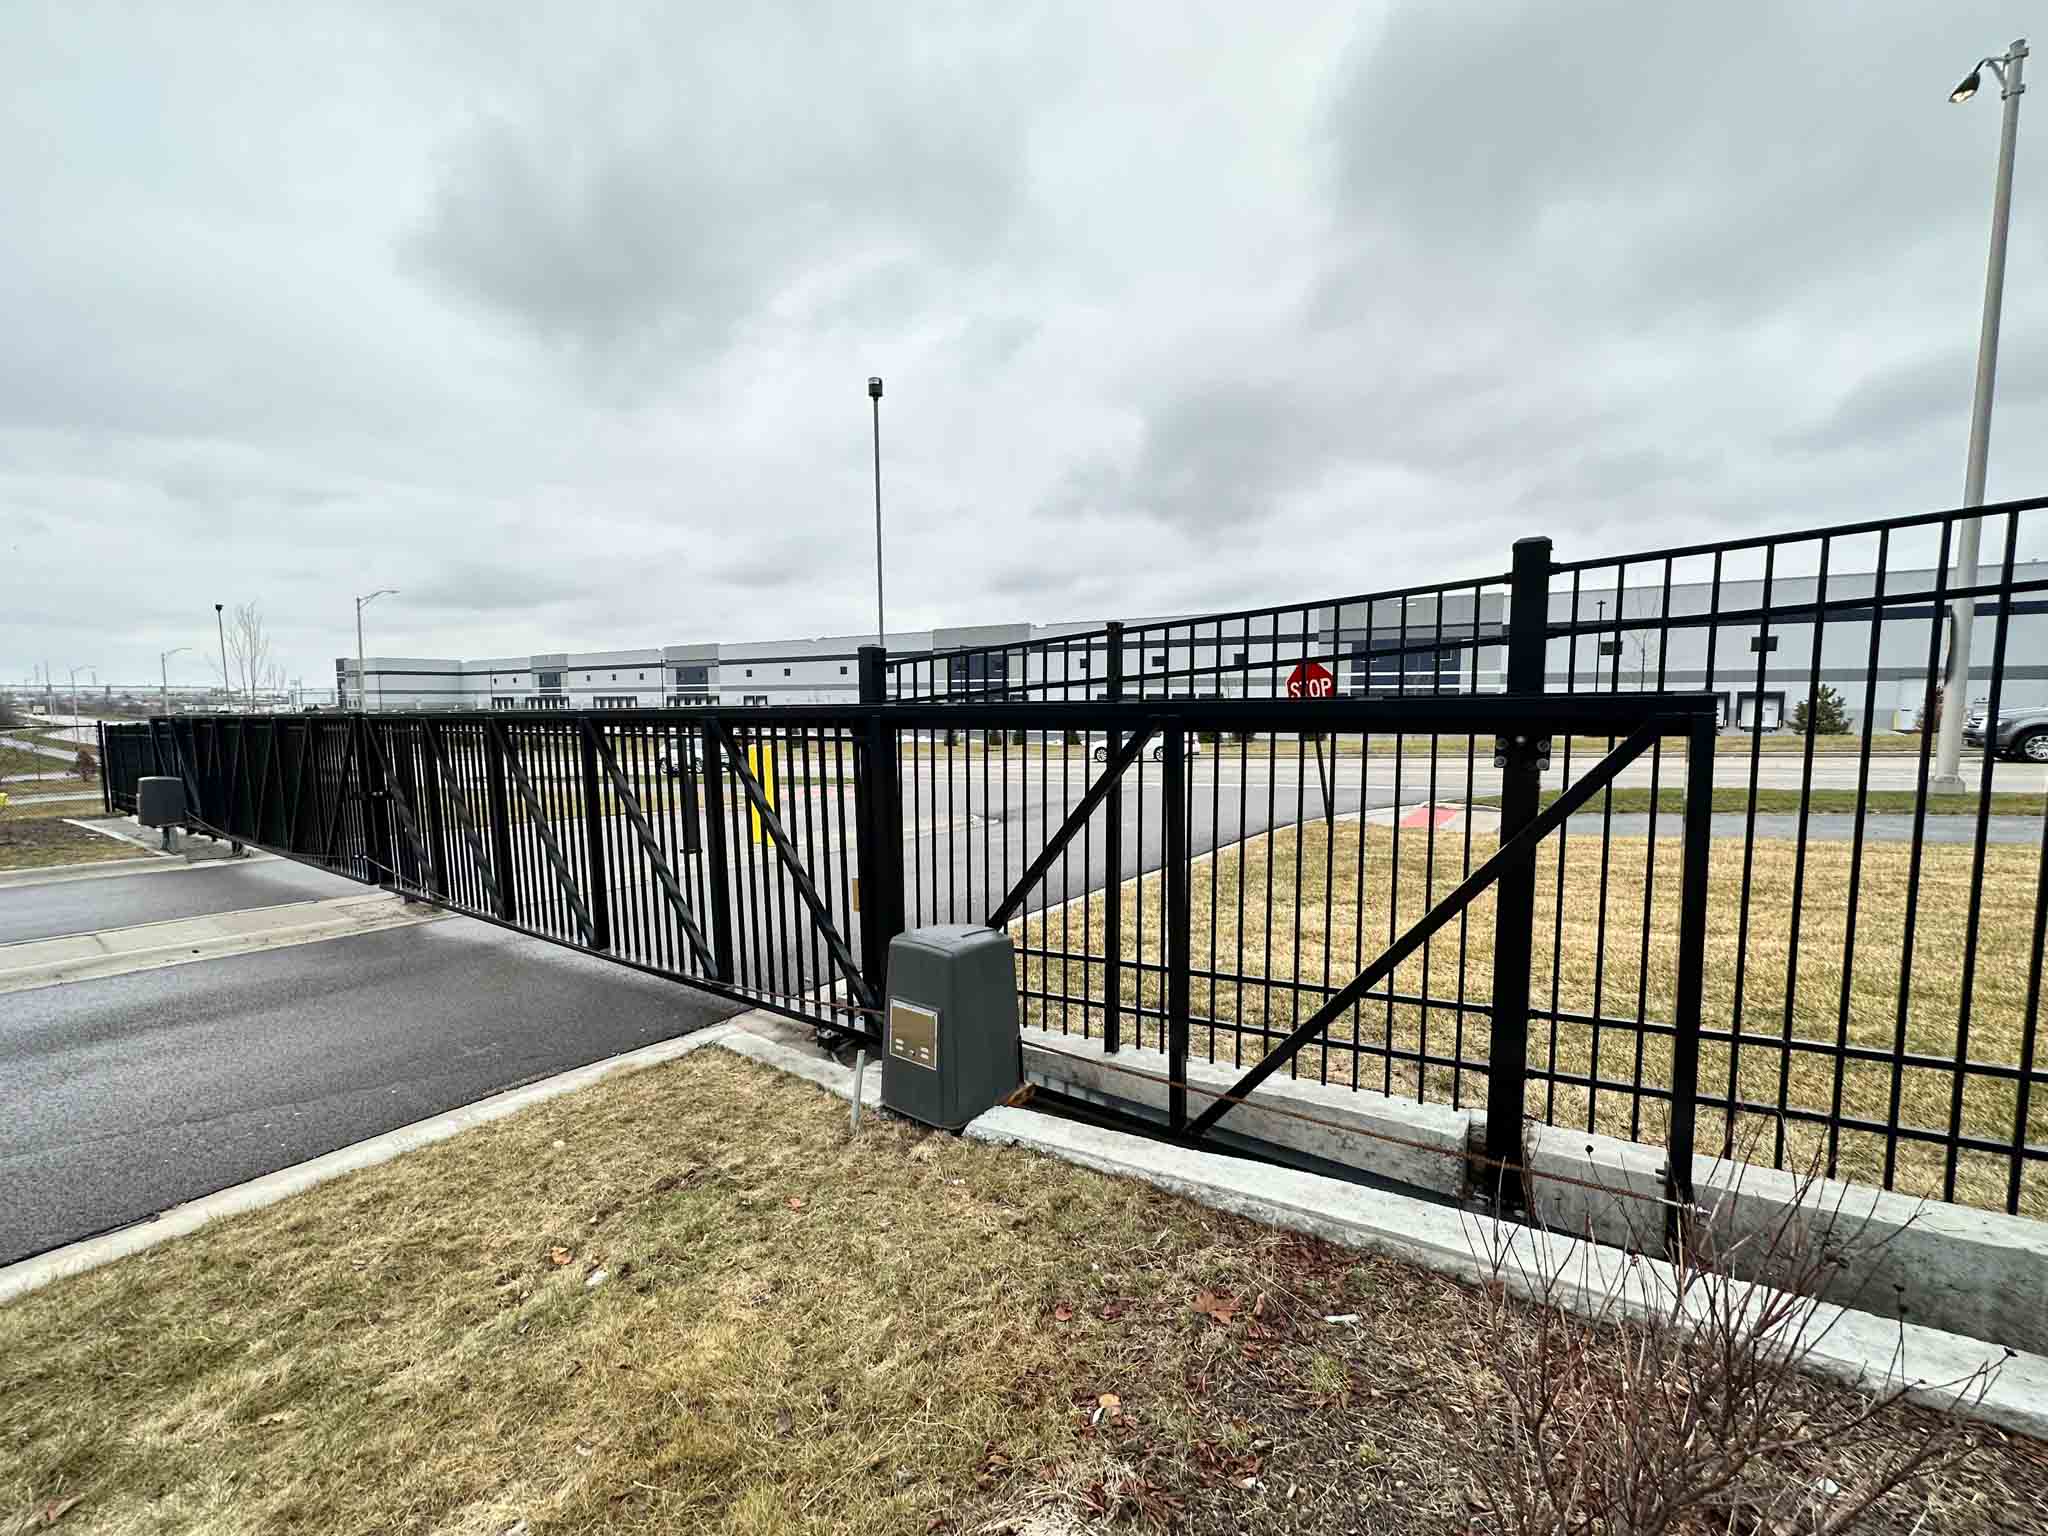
(1586, 977)
(36, 837)
(796, 1332)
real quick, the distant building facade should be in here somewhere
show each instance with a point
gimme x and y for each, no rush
(1631, 641)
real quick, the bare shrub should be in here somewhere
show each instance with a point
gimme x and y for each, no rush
(1632, 1397)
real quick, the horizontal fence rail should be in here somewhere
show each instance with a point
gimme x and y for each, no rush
(1191, 860)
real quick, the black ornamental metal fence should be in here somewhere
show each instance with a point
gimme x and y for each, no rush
(1322, 839)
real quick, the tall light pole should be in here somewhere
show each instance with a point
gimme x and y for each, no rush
(875, 399)
(163, 667)
(74, 692)
(226, 682)
(362, 690)
(1955, 686)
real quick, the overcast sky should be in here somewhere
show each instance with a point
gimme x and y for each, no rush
(558, 318)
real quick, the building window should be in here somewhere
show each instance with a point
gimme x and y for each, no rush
(504, 703)
(842, 671)
(754, 698)
(688, 700)
(643, 677)
(785, 671)
(1159, 660)
(978, 672)
(549, 679)
(1237, 658)
(693, 677)
(750, 671)
(617, 701)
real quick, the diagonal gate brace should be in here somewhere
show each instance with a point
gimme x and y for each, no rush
(807, 893)
(1521, 846)
(537, 818)
(1071, 827)
(657, 856)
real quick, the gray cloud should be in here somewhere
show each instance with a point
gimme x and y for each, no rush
(557, 318)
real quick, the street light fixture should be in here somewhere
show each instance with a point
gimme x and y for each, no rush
(1955, 686)
(163, 667)
(362, 692)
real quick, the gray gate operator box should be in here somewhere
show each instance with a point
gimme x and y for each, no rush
(160, 801)
(951, 1048)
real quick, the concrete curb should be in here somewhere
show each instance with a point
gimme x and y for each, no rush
(1852, 1347)
(186, 940)
(1952, 1267)
(1423, 1145)
(89, 1253)
(103, 869)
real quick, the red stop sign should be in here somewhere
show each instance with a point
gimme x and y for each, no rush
(1311, 680)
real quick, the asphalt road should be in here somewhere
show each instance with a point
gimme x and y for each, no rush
(123, 1096)
(43, 911)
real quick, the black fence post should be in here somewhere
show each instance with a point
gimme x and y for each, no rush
(595, 893)
(376, 822)
(1507, 1057)
(1173, 806)
(715, 855)
(501, 819)
(1113, 857)
(106, 779)
(878, 806)
(1692, 972)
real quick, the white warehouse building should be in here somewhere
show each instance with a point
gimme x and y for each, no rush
(1452, 641)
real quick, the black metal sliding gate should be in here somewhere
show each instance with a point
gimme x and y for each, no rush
(770, 854)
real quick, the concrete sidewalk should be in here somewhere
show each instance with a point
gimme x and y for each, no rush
(181, 941)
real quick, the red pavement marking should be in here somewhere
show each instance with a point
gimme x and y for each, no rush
(1428, 815)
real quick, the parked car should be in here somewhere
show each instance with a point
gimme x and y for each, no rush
(692, 759)
(1158, 749)
(2022, 734)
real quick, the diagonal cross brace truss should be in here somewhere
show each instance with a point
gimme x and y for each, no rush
(406, 819)
(807, 893)
(650, 845)
(1013, 903)
(537, 819)
(1521, 846)
(454, 799)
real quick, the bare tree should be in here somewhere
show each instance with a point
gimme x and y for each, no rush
(250, 657)
(1642, 647)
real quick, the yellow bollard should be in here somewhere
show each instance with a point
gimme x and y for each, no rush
(761, 759)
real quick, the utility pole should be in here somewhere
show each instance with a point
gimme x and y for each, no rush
(163, 667)
(362, 684)
(226, 697)
(875, 399)
(1955, 687)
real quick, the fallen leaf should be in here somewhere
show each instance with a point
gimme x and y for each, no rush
(560, 1255)
(1112, 1310)
(1063, 1313)
(796, 1202)
(1110, 1402)
(1219, 1309)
